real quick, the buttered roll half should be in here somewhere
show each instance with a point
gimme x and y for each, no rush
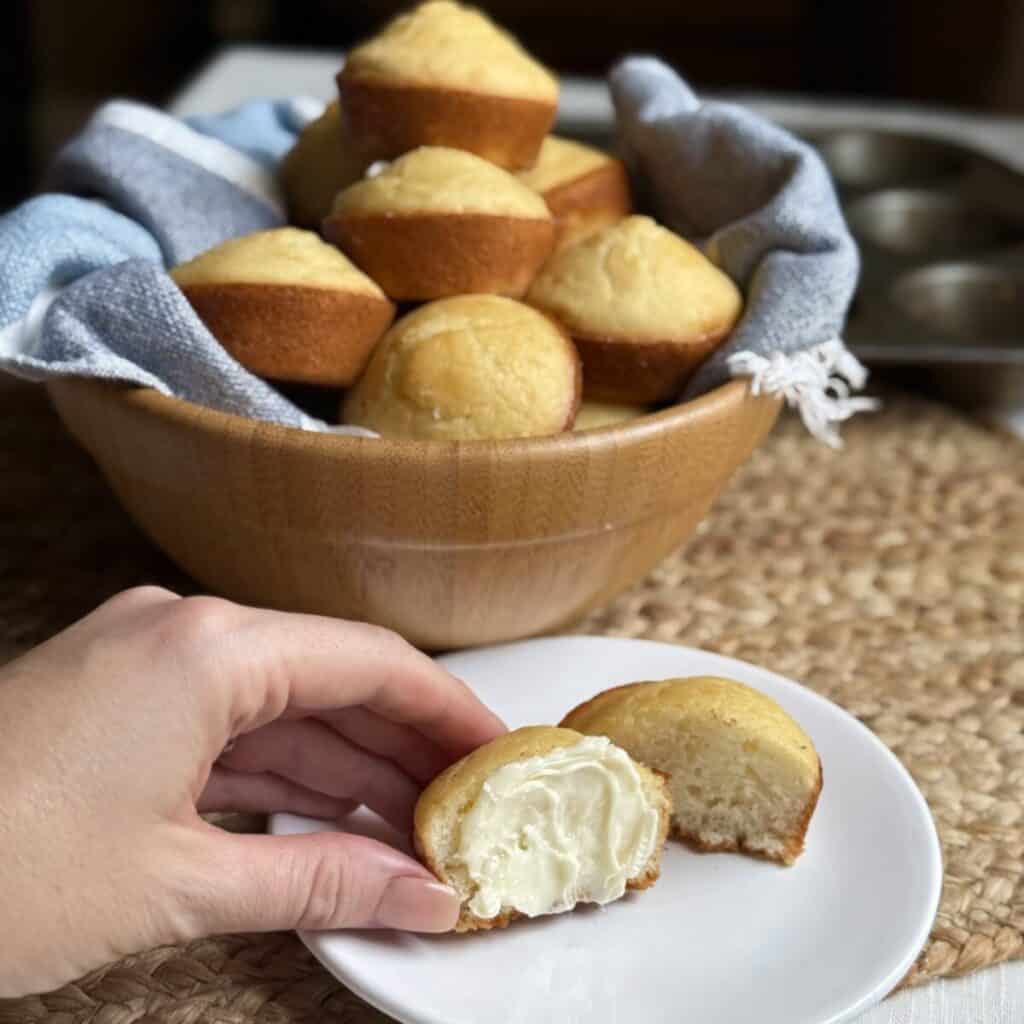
(539, 821)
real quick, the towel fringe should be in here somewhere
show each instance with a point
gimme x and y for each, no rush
(817, 382)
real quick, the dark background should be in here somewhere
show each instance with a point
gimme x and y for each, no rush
(59, 58)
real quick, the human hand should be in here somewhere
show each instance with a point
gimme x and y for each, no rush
(111, 741)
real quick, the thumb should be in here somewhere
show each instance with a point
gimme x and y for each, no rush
(315, 882)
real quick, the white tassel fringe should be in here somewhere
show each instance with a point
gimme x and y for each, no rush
(817, 382)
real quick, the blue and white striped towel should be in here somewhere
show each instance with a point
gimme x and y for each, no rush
(84, 289)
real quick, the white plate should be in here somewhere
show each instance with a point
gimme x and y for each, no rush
(721, 939)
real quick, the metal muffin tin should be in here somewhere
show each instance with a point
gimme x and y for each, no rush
(941, 231)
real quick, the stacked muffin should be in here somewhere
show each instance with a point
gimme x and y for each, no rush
(433, 180)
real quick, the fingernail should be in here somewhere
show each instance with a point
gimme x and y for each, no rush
(418, 905)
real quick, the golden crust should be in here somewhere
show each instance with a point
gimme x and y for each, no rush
(293, 332)
(640, 372)
(387, 120)
(467, 368)
(727, 701)
(593, 201)
(723, 698)
(463, 781)
(434, 255)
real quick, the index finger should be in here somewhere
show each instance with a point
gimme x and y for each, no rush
(312, 663)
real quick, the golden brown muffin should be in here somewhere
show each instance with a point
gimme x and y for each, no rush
(593, 415)
(743, 775)
(287, 305)
(644, 307)
(585, 189)
(480, 827)
(469, 368)
(446, 75)
(320, 164)
(441, 222)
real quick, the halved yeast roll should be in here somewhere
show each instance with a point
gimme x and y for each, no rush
(743, 775)
(287, 305)
(541, 820)
(469, 368)
(446, 75)
(441, 222)
(644, 307)
(584, 188)
(320, 164)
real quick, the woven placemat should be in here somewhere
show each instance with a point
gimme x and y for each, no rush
(889, 577)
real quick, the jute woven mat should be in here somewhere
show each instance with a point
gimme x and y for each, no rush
(889, 577)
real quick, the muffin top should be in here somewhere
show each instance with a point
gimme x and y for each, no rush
(636, 281)
(435, 179)
(561, 161)
(467, 368)
(725, 701)
(282, 256)
(447, 45)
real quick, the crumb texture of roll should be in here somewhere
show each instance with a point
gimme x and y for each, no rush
(444, 74)
(473, 367)
(584, 188)
(644, 307)
(742, 773)
(440, 222)
(320, 164)
(539, 821)
(287, 306)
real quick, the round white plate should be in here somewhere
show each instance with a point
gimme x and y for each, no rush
(721, 938)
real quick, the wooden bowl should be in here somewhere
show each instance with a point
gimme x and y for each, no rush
(449, 544)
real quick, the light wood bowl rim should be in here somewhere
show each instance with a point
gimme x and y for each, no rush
(230, 428)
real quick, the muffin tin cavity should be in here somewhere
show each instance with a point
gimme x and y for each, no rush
(941, 231)
(873, 160)
(975, 303)
(928, 222)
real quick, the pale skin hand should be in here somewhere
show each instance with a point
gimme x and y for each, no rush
(111, 737)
